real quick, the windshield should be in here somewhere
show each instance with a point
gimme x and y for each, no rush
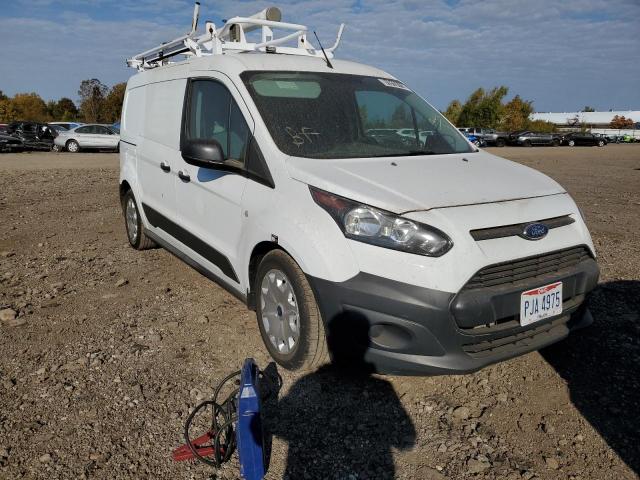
(329, 115)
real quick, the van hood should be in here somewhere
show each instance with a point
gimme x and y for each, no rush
(403, 184)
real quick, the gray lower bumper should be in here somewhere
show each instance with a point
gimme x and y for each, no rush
(415, 331)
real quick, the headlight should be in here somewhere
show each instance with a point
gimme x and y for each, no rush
(377, 227)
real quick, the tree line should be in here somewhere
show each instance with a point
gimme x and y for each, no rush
(487, 109)
(98, 103)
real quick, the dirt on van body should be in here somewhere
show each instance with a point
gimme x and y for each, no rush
(104, 350)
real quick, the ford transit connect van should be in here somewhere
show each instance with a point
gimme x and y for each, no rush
(264, 168)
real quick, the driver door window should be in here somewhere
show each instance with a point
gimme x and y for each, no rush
(214, 115)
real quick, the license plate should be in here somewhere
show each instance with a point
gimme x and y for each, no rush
(540, 303)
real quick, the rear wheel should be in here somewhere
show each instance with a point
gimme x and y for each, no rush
(72, 146)
(600, 143)
(56, 148)
(527, 143)
(500, 142)
(288, 316)
(555, 142)
(133, 223)
(571, 143)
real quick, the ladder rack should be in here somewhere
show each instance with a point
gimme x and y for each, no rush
(232, 38)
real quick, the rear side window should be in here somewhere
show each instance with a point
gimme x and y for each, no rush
(83, 130)
(212, 114)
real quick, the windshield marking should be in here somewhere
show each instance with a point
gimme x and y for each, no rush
(298, 138)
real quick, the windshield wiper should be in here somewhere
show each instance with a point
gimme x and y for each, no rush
(412, 153)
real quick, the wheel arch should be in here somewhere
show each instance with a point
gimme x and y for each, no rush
(124, 188)
(257, 254)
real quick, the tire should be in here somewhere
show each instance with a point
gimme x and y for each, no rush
(527, 143)
(571, 143)
(73, 146)
(56, 148)
(555, 142)
(477, 143)
(281, 287)
(600, 143)
(133, 224)
(500, 142)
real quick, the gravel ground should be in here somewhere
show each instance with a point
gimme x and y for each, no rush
(103, 351)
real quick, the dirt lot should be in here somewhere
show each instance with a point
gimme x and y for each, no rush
(111, 347)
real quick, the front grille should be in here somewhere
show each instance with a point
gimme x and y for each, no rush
(518, 228)
(527, 268)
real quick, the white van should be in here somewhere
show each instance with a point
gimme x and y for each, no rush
(253, 163)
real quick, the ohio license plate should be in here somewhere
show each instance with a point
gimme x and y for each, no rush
(540, 303)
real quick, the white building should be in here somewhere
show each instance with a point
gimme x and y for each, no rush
(591, 119)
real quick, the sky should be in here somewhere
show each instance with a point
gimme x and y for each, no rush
(563, 55)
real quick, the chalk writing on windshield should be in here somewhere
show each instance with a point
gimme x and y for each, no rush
(305, 135)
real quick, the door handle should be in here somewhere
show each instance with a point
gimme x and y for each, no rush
(184, 176)
(165, 167)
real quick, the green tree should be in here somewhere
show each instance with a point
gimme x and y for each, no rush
(29, 106)
(112, 106)
(541, 126)
(7, 111)
(515, 114)
(64, 109)
(483, 109)
(92, 95)
(453, 111)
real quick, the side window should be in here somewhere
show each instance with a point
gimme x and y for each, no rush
(238, 134)
(82, 130)
(208, 115)
(212, 114)
(102, 130)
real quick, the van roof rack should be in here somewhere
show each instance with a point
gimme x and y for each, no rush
(232, 38)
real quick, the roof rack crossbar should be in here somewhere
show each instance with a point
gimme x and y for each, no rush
(232, 38)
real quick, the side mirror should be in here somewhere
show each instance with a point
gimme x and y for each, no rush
(203, 152)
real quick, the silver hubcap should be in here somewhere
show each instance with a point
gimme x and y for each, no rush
(280, 314)
(131, 215)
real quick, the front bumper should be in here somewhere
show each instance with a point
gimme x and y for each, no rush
(419, 331)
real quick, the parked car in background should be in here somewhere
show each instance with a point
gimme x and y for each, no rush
(116, 127)
(527, 138)
(87, 137)
(489, 135)
(67, 125)
(584, 138)
(58, 128)
(389, 136)
(9, 143)
(476, 140)
(3, 128)
(34, 135)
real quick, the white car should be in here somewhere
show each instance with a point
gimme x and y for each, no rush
(427, 257)
(87, 137)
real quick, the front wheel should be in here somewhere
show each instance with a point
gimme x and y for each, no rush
(73, 146)
(288, 316)
(500, 142)
(133, 223)
(571, 143)
(600, 143)
(527, 143)
(56, 148)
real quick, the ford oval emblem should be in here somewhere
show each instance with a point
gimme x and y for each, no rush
(535, 231)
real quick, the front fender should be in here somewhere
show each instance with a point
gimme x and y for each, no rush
(300, 227)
